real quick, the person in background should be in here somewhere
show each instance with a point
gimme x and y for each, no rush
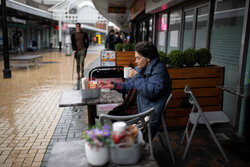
(51, 42)
(149, 85)
(117, 38)
(20, 42)
(15, 39)
(80, 44)
(131, 38)
(110, 40)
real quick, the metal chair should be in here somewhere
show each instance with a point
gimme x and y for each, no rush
(141, 120)
(165, 128)
(106, 72)
(201, 117)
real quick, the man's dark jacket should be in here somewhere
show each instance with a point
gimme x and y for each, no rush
(85, 40)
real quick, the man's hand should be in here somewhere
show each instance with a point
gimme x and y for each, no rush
(132, 73)
(74, 53)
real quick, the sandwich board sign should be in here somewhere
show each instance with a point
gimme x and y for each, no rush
(107, 58)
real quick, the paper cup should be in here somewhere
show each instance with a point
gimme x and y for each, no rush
(126, 72)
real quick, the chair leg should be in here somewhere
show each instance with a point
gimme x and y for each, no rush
(150, 141)
(189, 140)
(185, 133)
(168, 141)
(216, 141)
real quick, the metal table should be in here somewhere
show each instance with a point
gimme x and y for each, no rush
(243, 92)
(74, 98)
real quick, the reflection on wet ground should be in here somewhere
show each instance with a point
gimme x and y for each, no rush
(29, 110)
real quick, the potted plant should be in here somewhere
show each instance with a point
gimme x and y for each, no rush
(176, 58)
(96, 147)
(127, 47)
(204, 57)
(163, 57)
(133, 46)
(125, 58)
(190, 57)
(118, 47)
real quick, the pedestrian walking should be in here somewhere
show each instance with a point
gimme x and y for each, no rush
(51, 42)
(15, 39)
(80, 44)
(117, 38)
(110, 40)
(20, 42)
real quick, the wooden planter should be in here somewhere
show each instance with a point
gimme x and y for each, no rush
(125, 58)
(202, 81)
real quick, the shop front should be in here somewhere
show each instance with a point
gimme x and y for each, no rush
(219, 26)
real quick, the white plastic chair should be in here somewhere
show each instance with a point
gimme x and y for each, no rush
(141, 120)
(165, 128)
(201, 117)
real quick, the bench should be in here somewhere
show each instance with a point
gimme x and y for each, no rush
(26, 60)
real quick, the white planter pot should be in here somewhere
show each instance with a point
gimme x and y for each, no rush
(96, 157)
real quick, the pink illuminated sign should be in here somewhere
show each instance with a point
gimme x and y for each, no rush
(163, 24)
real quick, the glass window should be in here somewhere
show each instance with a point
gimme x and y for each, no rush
(174, 31)
(188, 29)
(201, 28)
(161, 32)
(150, 30)
(225, 45)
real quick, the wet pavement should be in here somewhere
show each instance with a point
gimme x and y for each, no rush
(31, 120)
(29, 106)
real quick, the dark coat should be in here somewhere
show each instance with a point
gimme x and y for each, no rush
(153, 88)
(117, 40)
(110, 41)
(85, 40)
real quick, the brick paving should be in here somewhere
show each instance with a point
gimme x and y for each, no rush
(29, 108)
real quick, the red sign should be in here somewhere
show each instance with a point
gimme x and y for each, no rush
(64, 26)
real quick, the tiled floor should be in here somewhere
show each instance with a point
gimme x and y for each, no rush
(29, 111)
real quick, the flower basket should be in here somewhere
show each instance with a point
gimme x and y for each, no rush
(96, 147)
(96, 156)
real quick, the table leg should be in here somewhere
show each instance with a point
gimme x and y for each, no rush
(91, 114)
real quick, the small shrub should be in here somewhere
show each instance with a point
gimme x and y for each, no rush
(127, 46)
(176, 58)
(133, 46)
(204, 57)
(118, 47)
(190, 57)
(163, 57)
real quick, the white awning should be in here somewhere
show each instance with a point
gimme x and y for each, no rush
(28, 9)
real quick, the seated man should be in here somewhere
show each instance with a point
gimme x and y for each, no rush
(149, 82)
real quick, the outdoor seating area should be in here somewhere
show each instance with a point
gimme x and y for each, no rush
(76, 98)
(26, 61)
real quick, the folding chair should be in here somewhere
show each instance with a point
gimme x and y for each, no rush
(201, 117)
(141, 120)
(165, 128)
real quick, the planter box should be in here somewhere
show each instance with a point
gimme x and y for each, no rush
(125, 58)
(202, 81)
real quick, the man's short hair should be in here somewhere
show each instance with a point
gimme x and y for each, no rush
(78, 24)
(112, 30)
(147, 49)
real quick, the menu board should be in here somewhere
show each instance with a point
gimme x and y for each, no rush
(107, 58)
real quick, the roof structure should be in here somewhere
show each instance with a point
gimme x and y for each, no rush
(68, 10)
